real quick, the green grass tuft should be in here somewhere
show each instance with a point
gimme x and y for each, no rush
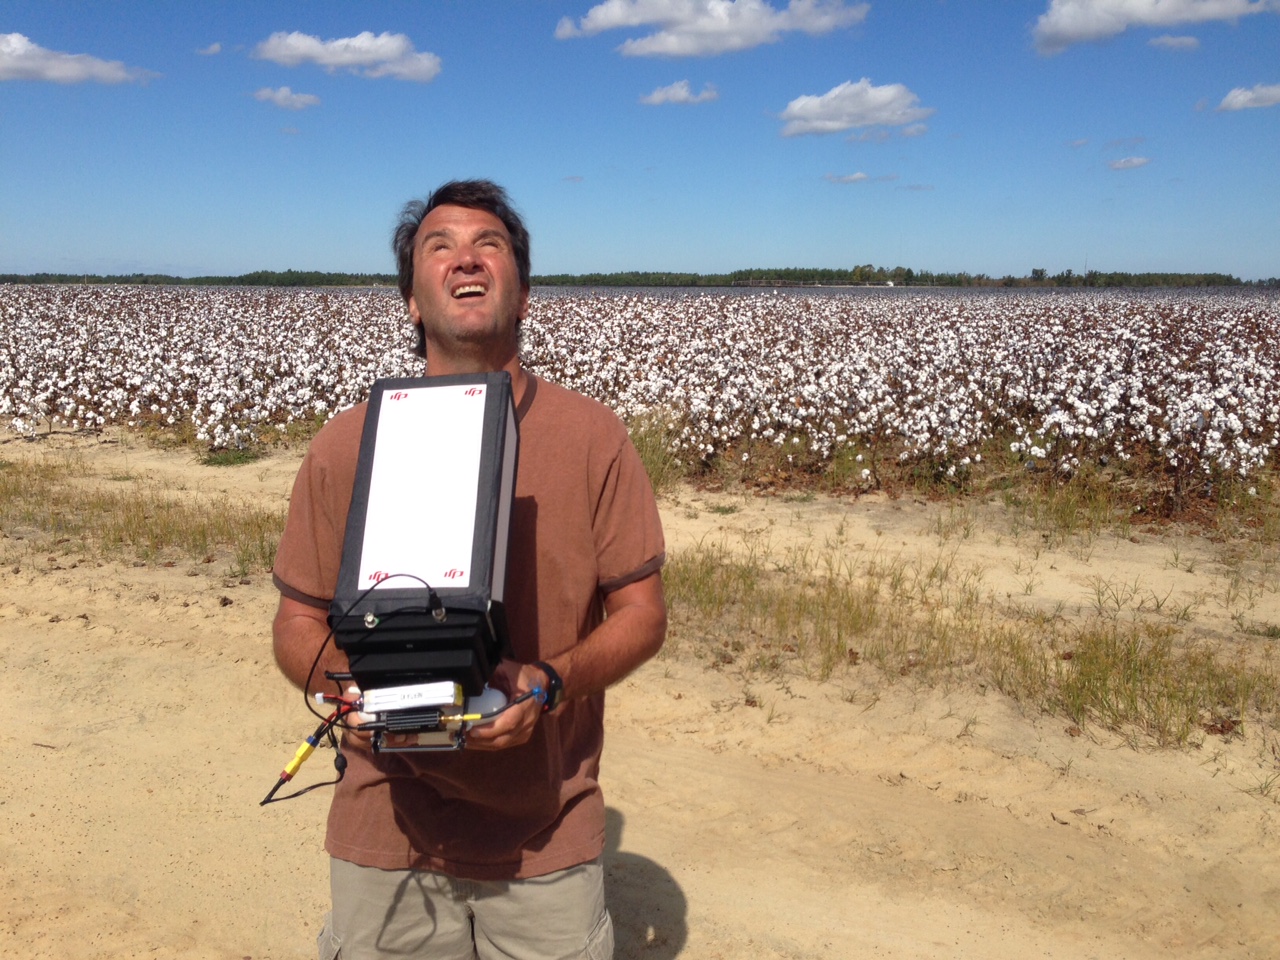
(232, 457)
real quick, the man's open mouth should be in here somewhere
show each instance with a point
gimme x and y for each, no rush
(469, 290)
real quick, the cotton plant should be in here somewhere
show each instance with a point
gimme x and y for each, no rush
(928, 377)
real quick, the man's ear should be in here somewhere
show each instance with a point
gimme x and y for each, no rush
(419, 331)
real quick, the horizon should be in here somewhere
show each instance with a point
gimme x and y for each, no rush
(208, 143)
(771, 276)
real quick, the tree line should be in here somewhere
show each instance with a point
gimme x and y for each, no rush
(870, 275)
(863, 275)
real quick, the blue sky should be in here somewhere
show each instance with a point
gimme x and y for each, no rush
(699, 135)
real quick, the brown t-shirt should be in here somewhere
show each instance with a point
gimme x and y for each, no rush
(584, 523)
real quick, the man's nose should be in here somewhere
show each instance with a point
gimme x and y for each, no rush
(467, 258)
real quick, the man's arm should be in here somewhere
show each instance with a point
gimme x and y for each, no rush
(633, 631)
(298, 632)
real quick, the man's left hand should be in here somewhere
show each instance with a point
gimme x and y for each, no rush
(514, 725)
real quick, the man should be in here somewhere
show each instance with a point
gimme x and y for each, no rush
(494, 850)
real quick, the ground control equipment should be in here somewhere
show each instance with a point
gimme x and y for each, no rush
(418, 608)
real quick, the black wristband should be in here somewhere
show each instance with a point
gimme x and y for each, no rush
(555, 687)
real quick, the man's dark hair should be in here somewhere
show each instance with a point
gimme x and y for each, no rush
(476, 194)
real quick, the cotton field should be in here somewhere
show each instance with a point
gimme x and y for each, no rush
(929, 376)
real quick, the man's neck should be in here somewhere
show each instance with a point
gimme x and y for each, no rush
(440, 366)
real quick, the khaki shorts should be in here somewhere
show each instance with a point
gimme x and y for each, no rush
(380, 914)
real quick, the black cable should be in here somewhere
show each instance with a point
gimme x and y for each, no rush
(339, 760)
(535, 692)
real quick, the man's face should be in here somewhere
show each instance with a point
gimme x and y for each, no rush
(466, 284)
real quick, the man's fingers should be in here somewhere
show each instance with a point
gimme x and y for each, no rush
(511, 728)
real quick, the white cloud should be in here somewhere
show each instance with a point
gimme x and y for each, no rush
(211, 50)
(1077, 144)
(1079, 21)
(846, 178)
(1169, 42)
(1262, 95)
(915, 130)
(20, 59)
(679, 92)
(854, 105)
(699, 28)
(384, 55)
(286, 98)
(1129, 163)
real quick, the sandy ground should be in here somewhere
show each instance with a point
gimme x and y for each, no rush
(750, 815)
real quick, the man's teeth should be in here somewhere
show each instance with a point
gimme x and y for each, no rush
(468, 290)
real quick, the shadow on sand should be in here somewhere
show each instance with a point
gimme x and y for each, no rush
(648, 907)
